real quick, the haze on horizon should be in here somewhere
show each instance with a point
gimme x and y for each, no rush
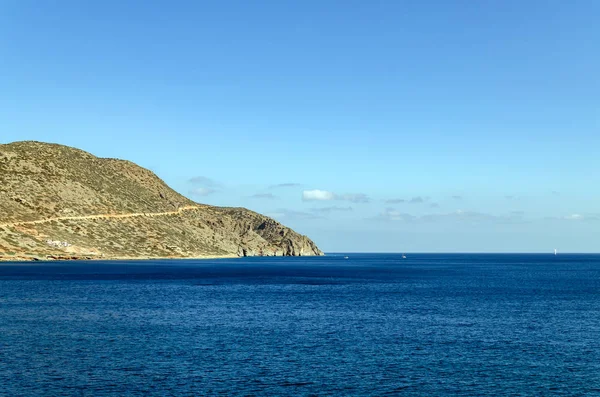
(368, 126)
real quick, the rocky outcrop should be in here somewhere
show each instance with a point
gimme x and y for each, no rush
(263, 236)
(107, 208)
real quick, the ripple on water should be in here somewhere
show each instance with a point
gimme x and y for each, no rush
(435, 325)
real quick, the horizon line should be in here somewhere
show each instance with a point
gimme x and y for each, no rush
(466, 252)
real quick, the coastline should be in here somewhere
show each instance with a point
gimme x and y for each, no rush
(51, 258)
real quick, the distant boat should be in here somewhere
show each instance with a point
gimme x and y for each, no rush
(555, 251)
(403, 256)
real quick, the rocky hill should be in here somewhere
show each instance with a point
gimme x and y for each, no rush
(59, 202)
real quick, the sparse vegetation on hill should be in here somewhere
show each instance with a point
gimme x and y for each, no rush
(61, 202)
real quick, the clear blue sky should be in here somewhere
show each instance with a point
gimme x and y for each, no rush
(400, 125)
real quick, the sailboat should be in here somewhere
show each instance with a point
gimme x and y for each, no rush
(555, 252)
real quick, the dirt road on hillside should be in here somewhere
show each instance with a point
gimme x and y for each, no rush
(102, 216)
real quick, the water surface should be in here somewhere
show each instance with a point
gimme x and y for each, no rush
(478, 325)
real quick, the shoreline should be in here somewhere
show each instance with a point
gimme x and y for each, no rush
(84, 258)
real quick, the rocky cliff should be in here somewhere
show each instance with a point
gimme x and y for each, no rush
(61, 202)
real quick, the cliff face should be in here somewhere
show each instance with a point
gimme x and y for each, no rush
(56, 201)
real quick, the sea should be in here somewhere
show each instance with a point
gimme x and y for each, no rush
(339, 325)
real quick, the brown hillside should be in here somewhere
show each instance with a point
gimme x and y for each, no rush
(57, 201)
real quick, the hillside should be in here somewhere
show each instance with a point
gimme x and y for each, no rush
(61, 202)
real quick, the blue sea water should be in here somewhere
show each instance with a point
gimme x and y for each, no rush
(472, 325)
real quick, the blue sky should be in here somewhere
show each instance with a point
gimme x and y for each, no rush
(395, 125)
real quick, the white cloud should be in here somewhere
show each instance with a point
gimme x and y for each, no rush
(284, 185)
(324, 195)
(581, 217)
(414, 200)
(391, 214)
(331, 209)
(354, 198)
(317, 195)
(575, 217)
(395, 201)
(203, 186)
(202, 191)
(204, 181)
(475, 218)
(418, 200)
(460, 215)
(268, 196)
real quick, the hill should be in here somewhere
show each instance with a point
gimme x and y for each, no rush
(60, 202)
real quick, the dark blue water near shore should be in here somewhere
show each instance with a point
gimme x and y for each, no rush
(480, 325)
